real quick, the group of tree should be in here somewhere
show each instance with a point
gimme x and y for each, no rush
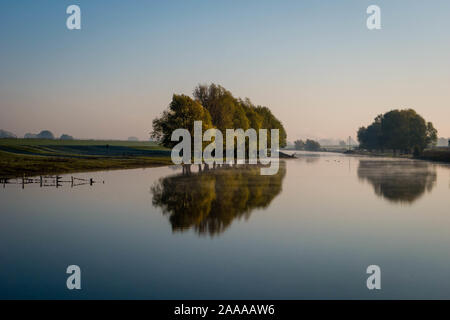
(44, 134)
(66, 137)
(308, 145)
(398, 130)
(217, 108)
(7, 135)
(47, 134)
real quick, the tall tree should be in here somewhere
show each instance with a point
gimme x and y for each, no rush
(299, 145)
(398, 130)
(370, 137)
(271, 122)
(182, 113)
(225, 110)
(312, 145)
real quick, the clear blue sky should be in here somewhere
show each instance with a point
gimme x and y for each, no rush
(314, 63)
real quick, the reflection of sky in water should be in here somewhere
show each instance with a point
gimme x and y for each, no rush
(313, 238)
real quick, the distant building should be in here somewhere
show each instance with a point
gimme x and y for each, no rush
(133, 139)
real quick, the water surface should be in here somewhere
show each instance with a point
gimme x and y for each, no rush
(308, 232)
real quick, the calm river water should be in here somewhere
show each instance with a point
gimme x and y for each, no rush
(308, 232)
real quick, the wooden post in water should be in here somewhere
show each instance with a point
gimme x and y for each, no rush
(23, 182)
(71, 183)
(91, 181)
(40, 181)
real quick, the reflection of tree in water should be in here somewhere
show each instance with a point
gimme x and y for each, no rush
(209, 201)
(398, 181)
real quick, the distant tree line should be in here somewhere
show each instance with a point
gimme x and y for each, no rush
(308, 145)
(47, 134)
(7, 135)
(66, 137)
(217, 108)
(44, 134)
(398, 130)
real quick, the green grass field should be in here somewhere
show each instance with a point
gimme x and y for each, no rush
(38, 156)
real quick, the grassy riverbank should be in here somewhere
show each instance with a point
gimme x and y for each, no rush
(32, 157)
(29, 157)
(440, 154)
(386, 154)
(436, 154)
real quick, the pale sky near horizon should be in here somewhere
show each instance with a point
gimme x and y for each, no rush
(313, 63)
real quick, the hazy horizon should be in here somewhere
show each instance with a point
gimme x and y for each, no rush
(315, 65)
